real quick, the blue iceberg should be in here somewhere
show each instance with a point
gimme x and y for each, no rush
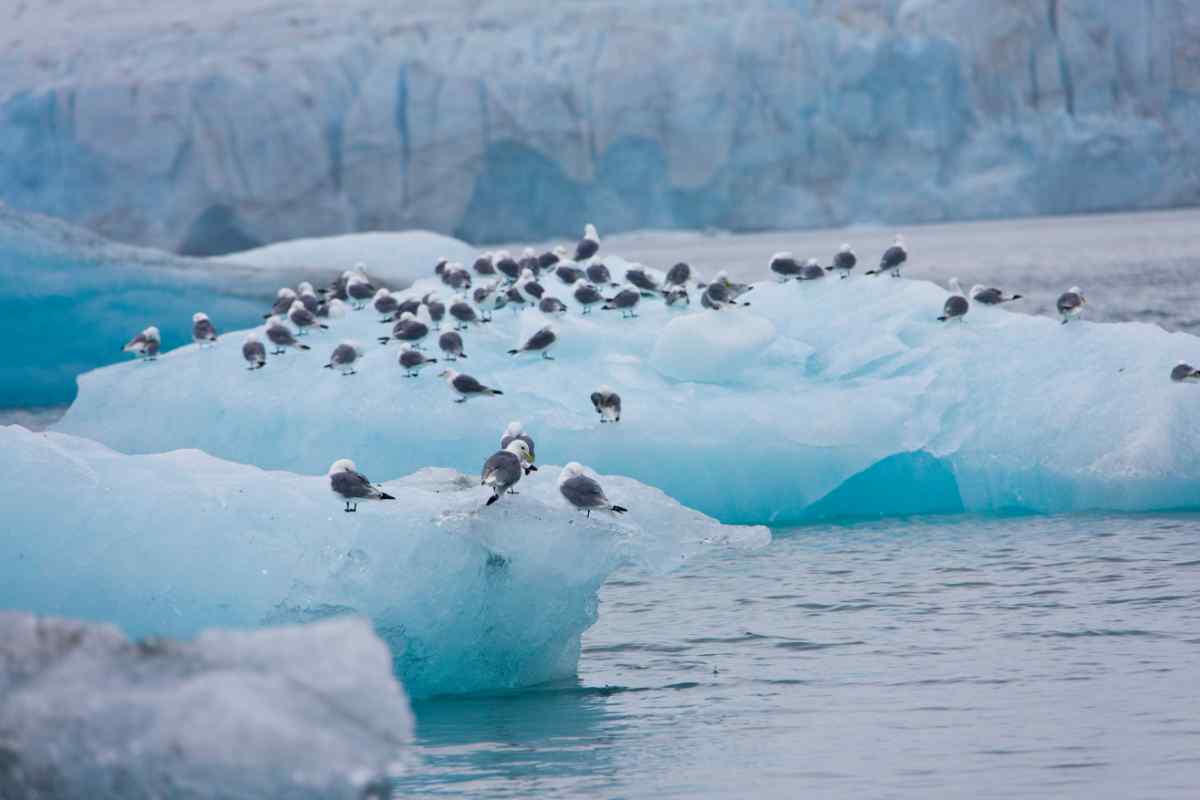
(821, 399)
(468, 597)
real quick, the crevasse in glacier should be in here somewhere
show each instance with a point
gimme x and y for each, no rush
(300, 711)
(823, 398)
(468, 597)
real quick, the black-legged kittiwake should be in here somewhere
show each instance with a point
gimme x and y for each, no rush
(587, 296)
(539, 342)
(585, 492)
(203, 332)
(344, 356)
(607, 404)
(844, 261)
(466, 386)
(625, 301)
(253, 352)
(892, 259)
(352, 486)
(451, 345)
(145, 345)
(281, 336)
(1070, 304)
(589, 245)
(504, 468)
(414, 361)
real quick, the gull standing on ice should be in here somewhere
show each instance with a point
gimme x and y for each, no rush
(507, 265)
(540, 342)
(599, 275)
(360, 290)
(436, 309)
(483, 265)
(1070, 304)
(812, 270)
(283, 303)
(414, 361)
(991, 296)
(678, 276)
(145, 345)
(385, 304)
(344, 357)
(307, 295)
(785, 266)
(485, 297)
(1183, 372)
(465, 386)
(844, 261)
(589, 245)
(569, 274)
(956, 306)
(516, 431)
(626, 301)
(552, 305)
(452, 345)
(587, 296)
(203, 332)
(281, 336)
(352, 486)
(584, 492)
(641, 280)
(253, 352)
(893, 258)
(302, 318)
(607, 404)
(408, 329)
(463, 313)
(504, 468)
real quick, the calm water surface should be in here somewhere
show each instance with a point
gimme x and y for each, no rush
(934, 657)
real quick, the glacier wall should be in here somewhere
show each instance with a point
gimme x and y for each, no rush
(207, 129)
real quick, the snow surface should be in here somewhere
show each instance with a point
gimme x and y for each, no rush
(859, 403)
(303, 712)
(468, 597)
(257, 121)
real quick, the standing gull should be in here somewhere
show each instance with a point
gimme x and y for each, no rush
(485, 297)
(414, 361)
(530, 286)
(282, 304)
(785, 266)
(607, 404)
(483, 265)
(302, 318)
(281, 336)
(452, 345)
(589, 245)
(892, 259)
(145, 345)
(989, 296)
(626, 301)
(408, 329)
(344, 357)
(956, 306)
(463, 313)
(516, 431)
(253, 352)
(1184, 372)
(599, 275)
(465, 386)
(514, 298)
(436, 309)
(642, 280)
(352, 486)
(1070, 304)
(812, 270)
(587, 296)
(552, 305)
(844, 261)
(569, 274)
(385, 304)
(307, 295)
(678, 275)
(504, 468)
(507, 265)
(360, 290)
(203, 332)
(584, 492)
(540, 342)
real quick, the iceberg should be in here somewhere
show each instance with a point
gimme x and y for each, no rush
(821, 399)
(468, 597)
(302, 711)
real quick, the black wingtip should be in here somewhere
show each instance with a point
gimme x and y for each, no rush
(497, 391)
(267, 316)
(386, 496)
(460, 355)
(1017, 297)
(324, 326)
(329, 366)
(619, 509)
(942, 319)
(304, 347)
(493, 499)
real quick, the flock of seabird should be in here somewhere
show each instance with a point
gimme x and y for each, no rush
(515, 283)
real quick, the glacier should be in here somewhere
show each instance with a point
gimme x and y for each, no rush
(301, 711)
(468, 598)
(822, 399)
(249, 122)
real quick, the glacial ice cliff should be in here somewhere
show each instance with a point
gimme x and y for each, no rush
(210, 128)
(298, 712)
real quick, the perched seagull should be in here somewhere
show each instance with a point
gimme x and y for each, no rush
(551, 257)
(956, 306)
(552, 305)
(359, 290)
(569, 274)
(599, 275)
(844, 261)
(812, 270)
(464, 315)
(513, 432)
(734, 290)
(344, 357)
(385, 304)
(483, 265)
(352, 486)
(283, 303)
(893, 258)
(203, 332)
(254, 352)
(584, 492)
(507, 265)
(452, 345)
(466, 386)
(589, 245)
(677, 298)
(529, 261)
(1184, 372)
(504, 468)
(540, 342)
(145, 345)
(640, 279)
(514, 298)
(587, 296)
(626, 301)
(678, 275)
(303, 319)
(718, 295)
(408, 329)
(414, 361)
(281, 336)
(1070, 304)
(456, 277)
(607, 404)
(785, 266)
(485, 297)
(991, 296)
(530, 286)
(436, 309)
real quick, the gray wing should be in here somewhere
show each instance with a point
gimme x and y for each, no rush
(302, 317)
(893, 256)
(679, 274)
(343, 354)
(254, 351)
(587, 294)
(352, 484)
(280, 335)
(506, 440)
(598, 273)
(468, 385)
(989, 297)
(613, 401)
(505, 467)
(1069, 300)
(541, 340)
(955, 306)
(450, 342)
(583, 492)
(204, 330)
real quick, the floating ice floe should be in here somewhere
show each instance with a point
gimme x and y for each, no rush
(824, 398)
(300, 712)
(468, 597)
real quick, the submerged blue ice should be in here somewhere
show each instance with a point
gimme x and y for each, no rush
(826, 398)
(467, 597)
